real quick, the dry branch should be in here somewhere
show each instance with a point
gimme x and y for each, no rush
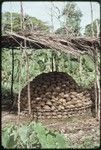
(74, 46)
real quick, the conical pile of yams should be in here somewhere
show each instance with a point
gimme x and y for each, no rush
(56, 95)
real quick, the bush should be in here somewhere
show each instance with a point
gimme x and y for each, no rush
(32, 135)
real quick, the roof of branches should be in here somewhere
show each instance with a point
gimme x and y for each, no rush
(74, 46)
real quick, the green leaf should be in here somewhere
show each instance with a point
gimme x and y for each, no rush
(12, 142)
(5, 139)
(61, 143)
(41, 134)
(42, 140)
(23, 131)
(39, 129)
(51, 142)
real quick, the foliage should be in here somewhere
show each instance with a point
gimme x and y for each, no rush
(61, 30)
(87, 143)
(31, 135)
(31, 23)
(40, 61)
(88, 28)
(72, 19)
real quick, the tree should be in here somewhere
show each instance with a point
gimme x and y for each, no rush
(72, 21)
(31, 23)
(96, 28)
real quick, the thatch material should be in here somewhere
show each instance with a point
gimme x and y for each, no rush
(75, 46)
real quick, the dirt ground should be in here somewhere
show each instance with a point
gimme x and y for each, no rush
(80, 132)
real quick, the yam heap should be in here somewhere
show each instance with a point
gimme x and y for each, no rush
(56, 95)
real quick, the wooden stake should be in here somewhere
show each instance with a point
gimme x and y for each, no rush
(52, 60)
(80, 68)
(12, 77)
(22, 17)
(97, 85)
(92, 19)
(11, 22)
(27, 69)
(19, 95)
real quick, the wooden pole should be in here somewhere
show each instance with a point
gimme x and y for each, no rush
(52, 28)
(11, 23)
(52, 60)
(12, 77)
(97, 85)
(80, 68)
(97, 76)
(19, 95)
(92, 19)
(20, 65)
(56, 62)
(11, 19)
(22, 17)
(27, 69)
(97, 29)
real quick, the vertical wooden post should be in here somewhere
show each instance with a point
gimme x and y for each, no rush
(27, 69)
(12, 77)
(52, 60)
(20, 65)
(80, 68)
(22, 17)
(52, 28)
(97, 85)
(11, 22)
(92, 19)
(97, 28)
(56, 62)
(19, 95)
(11, 18)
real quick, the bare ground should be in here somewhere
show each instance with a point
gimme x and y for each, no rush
(80, 132)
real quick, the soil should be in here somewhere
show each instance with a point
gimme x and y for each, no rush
(80, 131)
